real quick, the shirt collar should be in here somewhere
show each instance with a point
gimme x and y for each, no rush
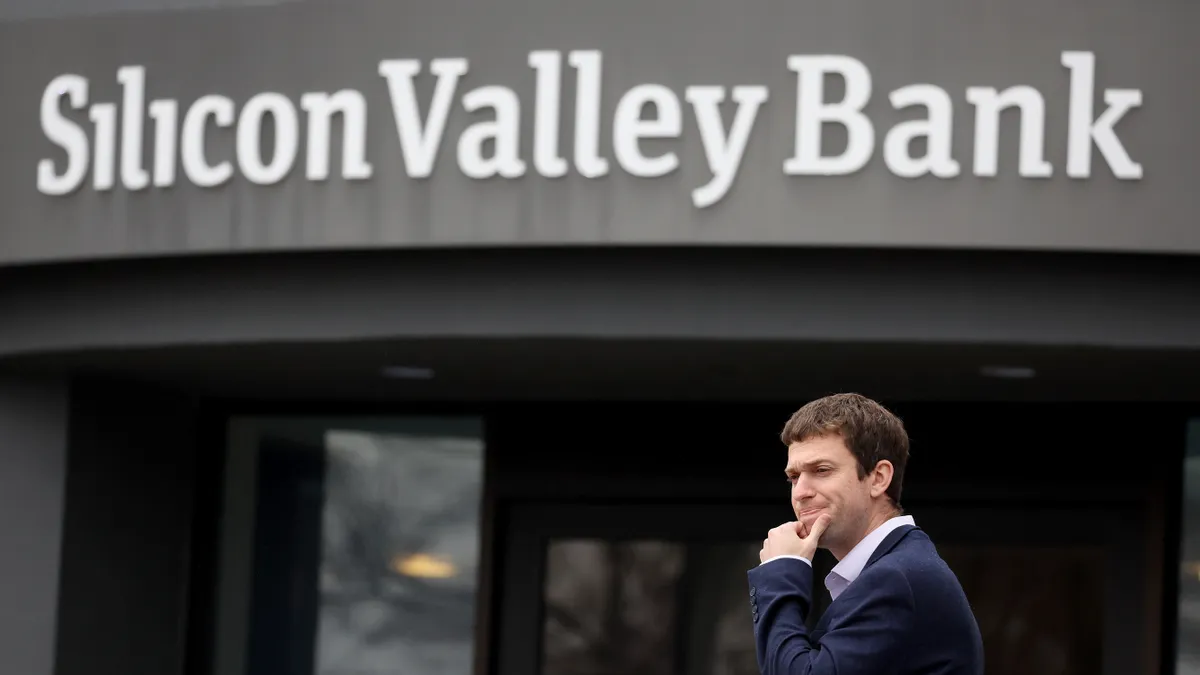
(848, 569)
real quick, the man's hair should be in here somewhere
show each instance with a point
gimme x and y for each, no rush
(869, 430)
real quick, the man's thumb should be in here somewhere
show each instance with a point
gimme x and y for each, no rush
(818, 527)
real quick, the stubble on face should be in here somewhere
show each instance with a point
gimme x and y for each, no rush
(824, 477)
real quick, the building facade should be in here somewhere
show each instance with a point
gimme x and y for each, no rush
(352, 338)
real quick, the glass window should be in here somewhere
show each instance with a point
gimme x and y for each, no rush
(661, 607)
(349, 547)
(1188, 637)
(652, 607)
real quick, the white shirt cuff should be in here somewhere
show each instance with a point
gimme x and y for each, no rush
(781, 557)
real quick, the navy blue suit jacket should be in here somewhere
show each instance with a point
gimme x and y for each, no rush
(905, 614)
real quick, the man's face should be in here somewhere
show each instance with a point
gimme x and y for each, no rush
(824, 478)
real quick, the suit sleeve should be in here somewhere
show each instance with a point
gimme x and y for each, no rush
(867, 637)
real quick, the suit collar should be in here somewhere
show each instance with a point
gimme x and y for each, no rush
(852, 565)
(848, 568)
(889, 542)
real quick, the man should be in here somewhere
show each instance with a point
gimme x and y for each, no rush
(897, 608)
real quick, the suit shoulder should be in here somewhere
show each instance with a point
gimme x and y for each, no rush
(927, 574)
(890, 574)
(944, 626)
(915, 559)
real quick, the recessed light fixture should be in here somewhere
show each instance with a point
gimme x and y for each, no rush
(1008, 372)
(408, 372)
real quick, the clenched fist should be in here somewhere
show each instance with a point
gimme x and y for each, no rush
(794, 538)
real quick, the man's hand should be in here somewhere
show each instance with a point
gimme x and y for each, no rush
(794, 538)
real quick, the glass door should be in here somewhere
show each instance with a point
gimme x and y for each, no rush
(661, 590)
(349, 546)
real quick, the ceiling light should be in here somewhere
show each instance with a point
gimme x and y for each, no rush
(408, 372)
(1008, 372)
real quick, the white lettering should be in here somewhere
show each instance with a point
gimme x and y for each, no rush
(192, 144)
(419, 142)
(812, 112)
(724, 153)
(133, 86)
(104, 154)
(504, 132)
(320, 108)
(629, 127)
(547, 108)
(212, 139)
(65, 134)
(588, 162)
(988, 103)
(936, 129)
(249, 138)
(165, 115)
(1082, 130)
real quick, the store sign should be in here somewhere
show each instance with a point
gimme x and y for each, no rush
(135, 145)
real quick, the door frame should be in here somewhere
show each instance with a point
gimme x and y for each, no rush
(529, 526)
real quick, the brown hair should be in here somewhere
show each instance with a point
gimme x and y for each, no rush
(869, 430)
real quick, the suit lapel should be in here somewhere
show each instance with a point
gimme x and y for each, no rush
(889, 542)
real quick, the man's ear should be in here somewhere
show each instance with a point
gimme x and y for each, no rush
(881, 477)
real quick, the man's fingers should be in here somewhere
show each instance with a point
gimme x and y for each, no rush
(788, 528)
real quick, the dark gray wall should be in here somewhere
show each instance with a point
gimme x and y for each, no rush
(729, 294)
(17, 10)
(294, 48)
(33, 466)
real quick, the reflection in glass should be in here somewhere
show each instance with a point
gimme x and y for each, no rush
(350, 547)
(1188, 637)
(1040, 610)
(647, 608)
(720, 632)
(611, 608)
(400, 542)
(681, 608)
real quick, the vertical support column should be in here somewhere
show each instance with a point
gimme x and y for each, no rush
(126, 538)
(33, 465)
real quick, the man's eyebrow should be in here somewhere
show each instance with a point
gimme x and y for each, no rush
(794, 468)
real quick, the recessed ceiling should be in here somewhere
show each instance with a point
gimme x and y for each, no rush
(644, 369)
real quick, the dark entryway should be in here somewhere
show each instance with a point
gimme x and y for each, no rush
(627, 532)
(661, 590)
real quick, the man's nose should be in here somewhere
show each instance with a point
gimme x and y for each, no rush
(801, 489)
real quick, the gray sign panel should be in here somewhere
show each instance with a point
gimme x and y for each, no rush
(362, 123)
